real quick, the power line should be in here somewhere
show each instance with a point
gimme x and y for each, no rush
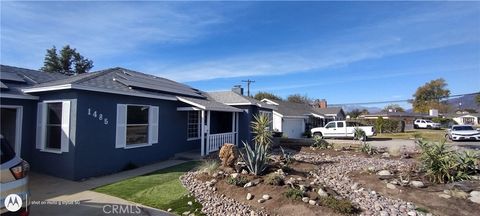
(397, 101)
(248, 81)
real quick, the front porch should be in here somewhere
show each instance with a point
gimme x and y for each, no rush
(217, 125)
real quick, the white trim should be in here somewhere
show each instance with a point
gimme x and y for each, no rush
(64, 125)
(234, 104)
(191, 103)
(51, 150)
(268, 101)
(47, 88)
(277, 113)
(317, 116)
(192, 139)
(131, 146)
(18, 126)
(15, 96)
(96, 89)
(188, 109)
(202, 131)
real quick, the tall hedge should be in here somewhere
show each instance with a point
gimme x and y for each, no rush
(382, 125)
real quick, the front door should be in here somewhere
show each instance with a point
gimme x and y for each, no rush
(10, 126)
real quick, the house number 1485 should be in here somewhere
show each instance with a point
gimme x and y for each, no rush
(98, 116)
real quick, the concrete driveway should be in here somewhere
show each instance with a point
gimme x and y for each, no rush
(55, 196)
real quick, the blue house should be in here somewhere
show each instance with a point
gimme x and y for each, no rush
(101, 122)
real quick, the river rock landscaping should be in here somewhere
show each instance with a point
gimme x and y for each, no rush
(323, 179)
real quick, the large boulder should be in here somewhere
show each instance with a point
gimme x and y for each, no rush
(228, 154)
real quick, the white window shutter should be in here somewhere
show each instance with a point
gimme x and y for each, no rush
(121, 133)
(153, 125)
(65, 141)
(41, 117)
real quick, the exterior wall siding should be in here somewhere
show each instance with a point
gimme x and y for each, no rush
(95, 151)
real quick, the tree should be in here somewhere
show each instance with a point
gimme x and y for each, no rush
(477, 99)
(430, 95)
(355, 113)
(297, 98)
(266, 95)
(68, 61)
(393, 108)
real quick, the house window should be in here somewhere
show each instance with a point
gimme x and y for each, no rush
(193, 125)
(137, 124)
(54, 126)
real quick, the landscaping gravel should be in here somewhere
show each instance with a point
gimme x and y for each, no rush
(213, 202)
(333, 173)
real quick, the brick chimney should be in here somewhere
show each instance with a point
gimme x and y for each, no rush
(321, 103)
(237, 89)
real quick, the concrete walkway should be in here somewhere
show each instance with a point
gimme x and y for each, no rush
(55, 196)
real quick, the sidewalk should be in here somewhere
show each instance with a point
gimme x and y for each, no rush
(86, 202)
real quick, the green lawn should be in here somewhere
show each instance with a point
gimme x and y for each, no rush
(161, 189)
(430, 135)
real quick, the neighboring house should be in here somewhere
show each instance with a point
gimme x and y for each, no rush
(466, 118)
(408, 118)
(249, 106)
(102, 122)
(293, 119)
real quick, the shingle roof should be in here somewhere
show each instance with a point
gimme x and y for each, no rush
(117, 79)
(14, 78)
(294, 109)
(233, 98)
(328, 110)
(208, 104)
(31, 77)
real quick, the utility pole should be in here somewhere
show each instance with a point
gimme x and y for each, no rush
(248, 81)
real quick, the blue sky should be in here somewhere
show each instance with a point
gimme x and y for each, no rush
(342, 51)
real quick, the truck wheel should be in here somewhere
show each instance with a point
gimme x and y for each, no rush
(415, 126)
(318, 134)
(429, 127)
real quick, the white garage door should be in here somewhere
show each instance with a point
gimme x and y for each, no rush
(293, 128)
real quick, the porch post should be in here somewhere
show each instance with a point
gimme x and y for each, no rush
(208, 130)
(236, 128)
(202, 135)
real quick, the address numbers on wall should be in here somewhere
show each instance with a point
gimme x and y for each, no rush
(97, 115)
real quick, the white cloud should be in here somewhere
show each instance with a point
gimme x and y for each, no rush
(408, 34)
(98, 29)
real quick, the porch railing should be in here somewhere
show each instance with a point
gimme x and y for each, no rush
(215, 141)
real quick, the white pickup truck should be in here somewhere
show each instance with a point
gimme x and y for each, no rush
(342, 129)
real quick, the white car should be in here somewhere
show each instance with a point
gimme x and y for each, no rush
(462, 132)
(426, 124)
(13, 181)
(342, 129)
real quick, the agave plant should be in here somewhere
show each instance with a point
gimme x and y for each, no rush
(260, 127)
(255, 158)
(444, 165)
(359, 134)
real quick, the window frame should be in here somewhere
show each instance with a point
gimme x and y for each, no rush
(47, 126)
(198, 124)
(44, 116)
(136, 145)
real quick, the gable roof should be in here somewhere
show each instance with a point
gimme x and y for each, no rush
(234, 98)
(13, 79)
(287, 108)
(121, 81)
(329, 110)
